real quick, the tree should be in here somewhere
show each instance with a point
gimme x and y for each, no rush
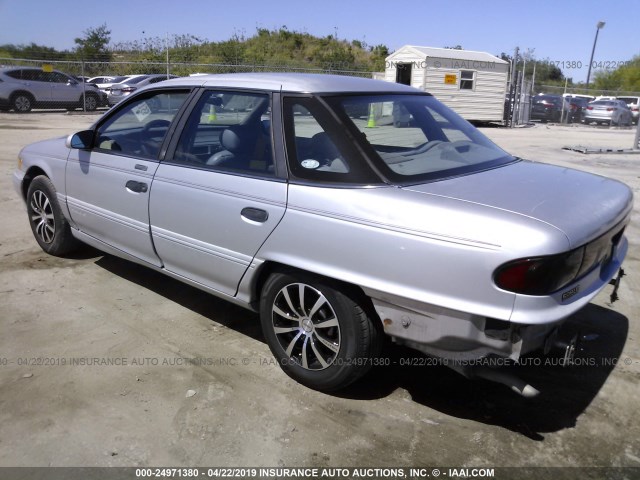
(547, 72)
(93, 46)
(32, 51)
(624, 78)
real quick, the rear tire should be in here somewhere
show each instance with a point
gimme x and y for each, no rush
(321, 336)
(48, 224)
(22, 102)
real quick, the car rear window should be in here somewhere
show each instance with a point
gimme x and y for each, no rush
(415, 138)
(136, 79)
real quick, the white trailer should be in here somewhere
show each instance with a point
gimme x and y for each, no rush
(474, 84)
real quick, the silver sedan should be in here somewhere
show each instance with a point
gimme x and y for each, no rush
(303, 198)
(612, 112)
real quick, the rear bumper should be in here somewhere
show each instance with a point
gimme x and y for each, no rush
(590, 117)
(545, 115)
(462, 337)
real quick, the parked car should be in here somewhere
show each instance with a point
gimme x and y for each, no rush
(590, 98)
(105, 82)
(25, 88)
(118, 91)
(632, 103)
(612, 112)
(577, 107)
(335, 230)
(550, 108)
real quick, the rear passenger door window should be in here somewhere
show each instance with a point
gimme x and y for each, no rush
(228, 132)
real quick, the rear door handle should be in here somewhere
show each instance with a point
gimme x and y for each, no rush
(137, 187)
(255, 214)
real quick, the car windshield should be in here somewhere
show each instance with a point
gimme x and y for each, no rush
(415, 138)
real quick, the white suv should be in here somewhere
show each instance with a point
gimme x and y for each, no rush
(24, 88)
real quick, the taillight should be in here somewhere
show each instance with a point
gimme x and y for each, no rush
(610, 109)
(589, 108)
(128, 89)
(634, 109)
(540, 275)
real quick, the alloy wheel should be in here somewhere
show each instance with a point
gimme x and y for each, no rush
(42, 216)
(306, 326)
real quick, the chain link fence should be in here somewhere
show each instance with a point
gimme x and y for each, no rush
(181, 69)
(45, 87)
(594, 92)
(517, 103)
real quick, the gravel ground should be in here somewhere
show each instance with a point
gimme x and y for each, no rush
(60, 405)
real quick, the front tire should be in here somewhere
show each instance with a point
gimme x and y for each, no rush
(321, 336)
(48, 224)
(90, 102)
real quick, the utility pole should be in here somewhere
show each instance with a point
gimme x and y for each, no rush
(593, 50)
(167, 45)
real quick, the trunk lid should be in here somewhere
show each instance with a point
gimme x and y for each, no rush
(582, 205)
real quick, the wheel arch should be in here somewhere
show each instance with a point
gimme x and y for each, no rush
(353, 291)
(89, 94)
(27, 93)
(31, 173)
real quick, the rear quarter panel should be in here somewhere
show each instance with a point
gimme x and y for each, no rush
(425, 248)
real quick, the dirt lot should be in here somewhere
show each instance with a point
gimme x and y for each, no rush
(72, 410)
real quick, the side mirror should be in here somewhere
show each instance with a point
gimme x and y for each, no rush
(81, 140)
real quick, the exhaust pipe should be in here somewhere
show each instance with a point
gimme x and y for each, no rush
(514, 383)
(569, 348)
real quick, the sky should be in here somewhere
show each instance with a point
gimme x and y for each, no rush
(562, 31)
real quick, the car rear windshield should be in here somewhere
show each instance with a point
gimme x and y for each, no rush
(137, 79)
(547, 99)
(415, 138)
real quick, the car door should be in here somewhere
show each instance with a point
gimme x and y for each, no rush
(108, 185)
(216, 197)
(35, 82)
(63, 88)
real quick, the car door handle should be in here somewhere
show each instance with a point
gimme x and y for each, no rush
(255, 214)
(137, 187)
